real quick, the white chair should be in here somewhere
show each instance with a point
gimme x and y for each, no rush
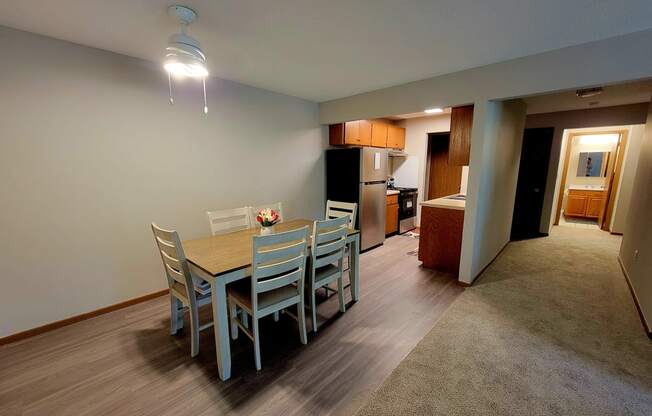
(229, 220)
(336, 209)
(277, 282)
(185, 289)
(327, 260)
(253, 212)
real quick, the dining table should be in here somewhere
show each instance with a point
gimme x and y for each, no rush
(226, 258)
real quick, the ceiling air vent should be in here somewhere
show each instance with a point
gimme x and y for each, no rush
(588, 92)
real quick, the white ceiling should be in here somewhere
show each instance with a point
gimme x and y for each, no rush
(321, 50)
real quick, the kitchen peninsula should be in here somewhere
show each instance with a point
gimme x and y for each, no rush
(440, 240)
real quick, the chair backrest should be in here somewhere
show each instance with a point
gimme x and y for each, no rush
(229, 220)
(328, 242)
(253, 212)
(174, 260)
(336, 209)
(279, 260)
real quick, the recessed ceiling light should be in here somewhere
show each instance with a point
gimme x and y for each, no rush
(434, 110)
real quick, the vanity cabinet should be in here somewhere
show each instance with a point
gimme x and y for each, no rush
(585, 203)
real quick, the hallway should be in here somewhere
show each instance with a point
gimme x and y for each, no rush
(550, 328)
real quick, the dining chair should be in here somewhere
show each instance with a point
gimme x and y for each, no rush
(277, 282)
(253, 212)
(336, 209)
(186, 290)
(327, 260)
(229, 220)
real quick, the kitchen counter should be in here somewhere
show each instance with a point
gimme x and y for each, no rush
(392, 192)
(445, 202)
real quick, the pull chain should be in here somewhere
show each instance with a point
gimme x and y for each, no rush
(170, 85)
(205, 105)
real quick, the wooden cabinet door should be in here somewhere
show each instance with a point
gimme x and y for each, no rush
(594, 206)
(378, 134)
(460, 140)
(364, 132)
(395, 137)
(391, 219)
(352, 132)
(336, 134)
(576, 205)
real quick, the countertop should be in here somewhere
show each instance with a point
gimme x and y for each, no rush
(392, 192)
(587, 187)
(444, 202)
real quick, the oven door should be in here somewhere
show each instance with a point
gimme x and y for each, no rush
(407, 205)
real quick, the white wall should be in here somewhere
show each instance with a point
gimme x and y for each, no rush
(91, 152)
(636, 248)
(628, 173)
(496, 142)
(416, 144)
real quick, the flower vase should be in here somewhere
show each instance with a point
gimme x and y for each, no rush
(266, 230)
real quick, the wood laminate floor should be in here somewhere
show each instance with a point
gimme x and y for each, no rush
(126, 363)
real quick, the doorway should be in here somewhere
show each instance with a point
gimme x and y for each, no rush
(443, 179)
(591, 173)
(531, 185)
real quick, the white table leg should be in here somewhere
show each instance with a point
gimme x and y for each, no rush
(221, 327)
(354, 267)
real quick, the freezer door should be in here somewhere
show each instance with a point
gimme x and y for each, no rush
(374, 164)
(372, 214)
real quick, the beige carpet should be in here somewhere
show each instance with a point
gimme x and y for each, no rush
(550, 329)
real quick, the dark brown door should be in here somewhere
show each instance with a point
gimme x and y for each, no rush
(444, 179)
(532, 175)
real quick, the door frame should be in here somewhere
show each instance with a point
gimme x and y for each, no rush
(429, 138)
(612, 181)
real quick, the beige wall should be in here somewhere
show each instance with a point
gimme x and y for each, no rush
(535, 74)
(496, 143)
(628, 173)
(91, 152)
(636, 248)
(564, 120)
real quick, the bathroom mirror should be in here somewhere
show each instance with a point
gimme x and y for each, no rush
(593, 164)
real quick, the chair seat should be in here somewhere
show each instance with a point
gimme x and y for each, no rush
(181, 289)
(325, 272)
(201, 286)
(241, 291)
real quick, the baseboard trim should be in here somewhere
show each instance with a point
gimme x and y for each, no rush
(638, 306)
(477, 276)
(77, 318)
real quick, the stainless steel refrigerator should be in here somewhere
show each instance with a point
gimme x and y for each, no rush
(359, 174)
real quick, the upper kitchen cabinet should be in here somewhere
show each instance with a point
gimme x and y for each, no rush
(376, 133)
(459, 148)
(356, 132)
(379, 134)
(395, 137)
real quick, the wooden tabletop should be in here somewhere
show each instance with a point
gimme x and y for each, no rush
(223, 253)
